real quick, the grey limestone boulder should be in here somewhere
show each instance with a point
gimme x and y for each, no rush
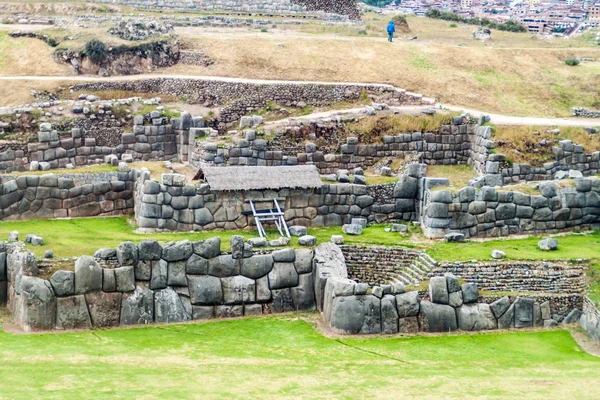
(282, 301)
(13, 236)
(283, 275)
(507, 320)
(72, 313)
(159, 275)
(88, 275)
(389, 315)
(437, 317)
(168, 307)
(39, 304)
(257, 242)
(196, 265)
(138, 307)
(304, 261)
(352, 229)
(205, 290)
(237, 247)
(548, 244)
(224, 265)
(177, 251)
(104, 308)
(257, 266)
(297, 230)
(545, 310)
(523, 312)
(500, 306)
(109, 280)
(208, 248)
(303, 294)
(127, 254)
(176, 273)
(285, 255)
(438, 290)
(125, 277)
(356, 315)
(238, 290)
(149, 250)
(63, 283)
(476, 317)
(498, 255)
(307, 240)
(452, 283)
(572, 317)
(470, 292)
(337, 239)
(105, 254)
(455, 299)
(407, 304)
(455, 237)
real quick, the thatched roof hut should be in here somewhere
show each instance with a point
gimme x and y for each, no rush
(259, 178)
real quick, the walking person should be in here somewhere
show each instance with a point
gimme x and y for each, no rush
(391, 29)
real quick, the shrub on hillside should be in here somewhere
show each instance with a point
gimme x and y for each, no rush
(453, 26)
(96, 51)
(509, 26)
(572, 62)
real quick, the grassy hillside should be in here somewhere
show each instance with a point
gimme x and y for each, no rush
(284, 357)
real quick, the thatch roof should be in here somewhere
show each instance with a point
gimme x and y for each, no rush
(258, 178)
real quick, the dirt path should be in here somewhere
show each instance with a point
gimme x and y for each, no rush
(497, 119)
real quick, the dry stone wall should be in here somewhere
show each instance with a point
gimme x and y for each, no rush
(174, 205)
(590, 319)
(347, 8)
(453, 144)
(518, 276)
(74, 195)
(349, 307)
(238, 99)
(491, 212)
(149, 283)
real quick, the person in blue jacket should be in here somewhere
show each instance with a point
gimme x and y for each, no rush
(391, 29)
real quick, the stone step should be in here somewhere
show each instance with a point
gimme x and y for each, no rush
(414, 273)
(419, 268)
(407, 279)
(401, 279)
(427, 257)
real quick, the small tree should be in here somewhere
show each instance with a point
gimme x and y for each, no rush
(96, 51)
(572, 62)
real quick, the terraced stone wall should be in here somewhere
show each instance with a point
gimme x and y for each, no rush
(491, 212)
(174, 205)
(377, 265)
(148, 283)
(66, 196)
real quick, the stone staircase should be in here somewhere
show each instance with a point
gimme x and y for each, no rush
(417, 271)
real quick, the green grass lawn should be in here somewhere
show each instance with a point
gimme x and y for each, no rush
(284, 357)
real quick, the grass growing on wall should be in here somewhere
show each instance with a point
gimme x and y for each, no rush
(284, 357)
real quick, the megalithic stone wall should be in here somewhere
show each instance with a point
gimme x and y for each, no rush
(493, 212)
(590, 319)
(147, 283)
(349, 307)
(68, 195)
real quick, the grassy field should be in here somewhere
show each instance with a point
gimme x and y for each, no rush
(284, 357)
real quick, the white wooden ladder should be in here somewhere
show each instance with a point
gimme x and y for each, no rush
(274, 214)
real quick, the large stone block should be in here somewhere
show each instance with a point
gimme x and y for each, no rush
(408, 325)
(176, 273)
(356, 314)
(438, 290)
(389, 315)
(304, 261)
(127, 254)
(208, 248)
(437, 317)
(523, 312)
(177, 251)
(125, 277)
(223, 266)
(238, 290)
(138, 307)
(470, 292)
(500, 306)
(304, 294)
(283, 275)
(104, 308)
(168, 307)
(407, 304)
(63, 283)
(159, 275)
(257, 266)
(196, 265)
(72, 313)
(38, 304)
(282, 301)
(149, 250)
(476, 317)
(88, 275)
(507, 320)
(205, 290)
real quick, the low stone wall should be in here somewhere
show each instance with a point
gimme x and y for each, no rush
(518, 276)
(148, 283)
(57, 196)
(585, 113)
(349, 307)
(348, 8)
(453, 144)
(590, 319)
(491, 212)
(248, 97)
(173, 205)
(377, 265)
